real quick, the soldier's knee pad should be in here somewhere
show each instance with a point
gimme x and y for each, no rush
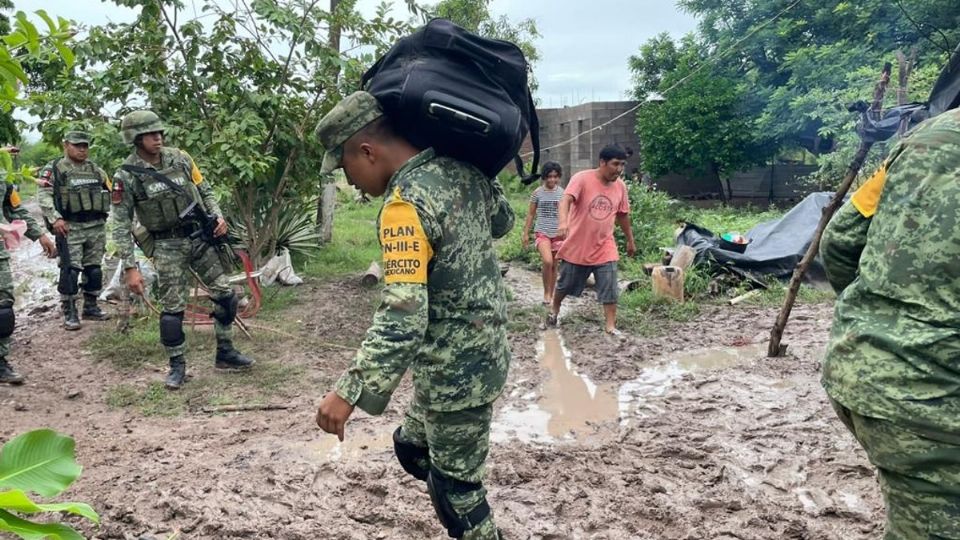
(94, 278)
(67, 284)
(7, 321)
(411, 456)
(171, 329)
(225, 309)
(440, 486)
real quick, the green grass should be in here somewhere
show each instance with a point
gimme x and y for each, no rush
(143, 337)
(354, 245)
(776, 293)
(139, 351)
(206, 388)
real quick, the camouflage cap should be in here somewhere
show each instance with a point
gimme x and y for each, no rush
(348, 117)
(76, 137)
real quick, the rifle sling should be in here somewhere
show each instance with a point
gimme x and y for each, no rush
(155, 174)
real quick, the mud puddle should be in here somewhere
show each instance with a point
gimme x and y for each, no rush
(569, 407)
(34, 278)
(355, 443)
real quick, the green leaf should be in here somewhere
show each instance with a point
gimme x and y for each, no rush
(40, 461)
(29, 530)
(18, 501)
(27, 27)
(15, 39)
(46, 18)
(65, 53)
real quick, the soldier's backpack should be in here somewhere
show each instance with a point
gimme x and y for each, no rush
(464, 95)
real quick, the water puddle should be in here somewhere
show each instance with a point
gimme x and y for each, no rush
(34, 277)
(354, 445)
(570, 404)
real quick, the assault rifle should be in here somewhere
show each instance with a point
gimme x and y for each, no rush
(206, 224)
(67, 285)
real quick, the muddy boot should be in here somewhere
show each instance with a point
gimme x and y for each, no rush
(8, 375)
(91, 310)
(178, 372)
(230, 358)
(70, 319)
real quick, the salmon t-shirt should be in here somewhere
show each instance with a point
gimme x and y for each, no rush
(591, 219)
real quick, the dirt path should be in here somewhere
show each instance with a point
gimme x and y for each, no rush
(595, 438)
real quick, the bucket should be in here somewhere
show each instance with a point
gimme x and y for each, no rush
(733, 242)
(668, 282)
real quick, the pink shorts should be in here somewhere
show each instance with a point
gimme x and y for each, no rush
(555, 243)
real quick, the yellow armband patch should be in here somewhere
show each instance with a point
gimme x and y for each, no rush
(195, 173)
(406, 249)
(867, 197)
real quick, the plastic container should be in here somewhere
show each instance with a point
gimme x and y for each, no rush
(668, 282)
(734, 242)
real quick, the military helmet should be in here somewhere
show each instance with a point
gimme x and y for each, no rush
(139, 122)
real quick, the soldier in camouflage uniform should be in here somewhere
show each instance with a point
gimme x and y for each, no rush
(75, 199)
(157, 184)
(892, 368)
(12, 209)
(442, 312)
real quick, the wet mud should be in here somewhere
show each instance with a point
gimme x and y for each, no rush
(690, 435)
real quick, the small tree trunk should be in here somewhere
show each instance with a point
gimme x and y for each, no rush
(716, 174)
(326, 206)
(776, 334)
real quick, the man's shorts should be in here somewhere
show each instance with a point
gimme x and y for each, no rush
(555, 242)
(573, 278)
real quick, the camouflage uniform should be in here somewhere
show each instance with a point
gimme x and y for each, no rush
(12, 209)
(442, 314)
(892, 367)
(78, 193)
(157, 207)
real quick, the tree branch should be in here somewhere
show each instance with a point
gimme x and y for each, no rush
(201, 101)
(946, 47)
(294, 41)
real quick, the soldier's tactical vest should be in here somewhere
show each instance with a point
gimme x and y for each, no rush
(158, 205)
(80, 194)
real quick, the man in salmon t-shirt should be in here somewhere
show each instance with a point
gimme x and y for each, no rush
(592, 202)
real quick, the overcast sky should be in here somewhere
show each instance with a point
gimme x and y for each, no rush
(584, 45)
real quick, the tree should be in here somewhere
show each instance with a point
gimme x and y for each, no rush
(241, 91)
(474, 15)
(806, 60)
(707, 122)
(23, 43)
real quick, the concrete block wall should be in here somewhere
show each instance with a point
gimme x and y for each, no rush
(559, 125)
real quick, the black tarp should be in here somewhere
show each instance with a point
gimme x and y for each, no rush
(946, 91)
(945, 95)
(775, 248)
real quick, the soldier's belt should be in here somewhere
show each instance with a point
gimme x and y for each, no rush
(182, 231)
(83, 217)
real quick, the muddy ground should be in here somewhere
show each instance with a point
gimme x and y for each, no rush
(692, 434)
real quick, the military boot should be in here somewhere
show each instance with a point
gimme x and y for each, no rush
(91, 310)
(70, 319)
(230, 358)
(178, 372)
(7, 374)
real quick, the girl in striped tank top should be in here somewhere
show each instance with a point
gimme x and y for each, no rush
(544, 205)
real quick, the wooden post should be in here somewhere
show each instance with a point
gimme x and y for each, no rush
(372, 276)
(776, 334)
(903, 75)
(327, 204)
